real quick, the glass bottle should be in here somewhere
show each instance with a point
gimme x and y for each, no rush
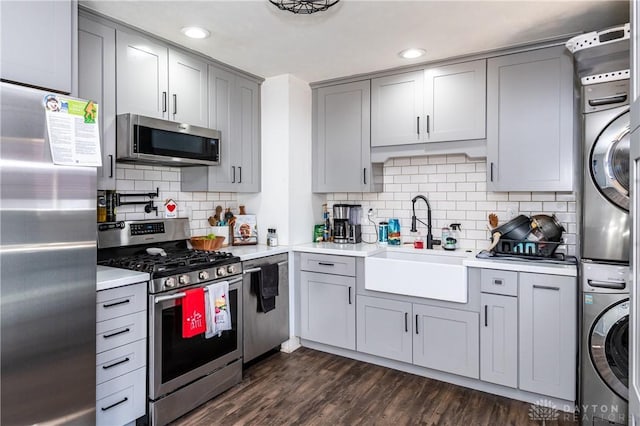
(272, 237)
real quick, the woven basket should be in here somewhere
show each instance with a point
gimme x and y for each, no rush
(204, 243)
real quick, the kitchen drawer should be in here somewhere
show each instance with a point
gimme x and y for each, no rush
(120, 331)
(328, 264)
(120, 301)
(121, 400)
(121, 360)
(499, 282)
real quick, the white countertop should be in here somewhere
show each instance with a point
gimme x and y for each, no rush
(255, 251)
(116, 277)
(365, 250)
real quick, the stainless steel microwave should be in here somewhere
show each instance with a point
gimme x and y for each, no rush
(155, 141)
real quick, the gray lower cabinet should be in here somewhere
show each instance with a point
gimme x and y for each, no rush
(446, 339)
(97, 82)
(36, 40)
(547, 334)
(530, 100)
(328, 310)
(384, 328)
(234, 110)
(499, 339)
(342, 140)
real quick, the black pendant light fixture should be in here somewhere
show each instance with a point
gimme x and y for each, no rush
(304, 6)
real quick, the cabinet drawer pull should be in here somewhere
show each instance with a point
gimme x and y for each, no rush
(115, 364)
(164, 101)
(486, 321)
(325, 264)
(111, 305)
(111, 166)
(406, 322)
(115, 404)
(175, 104)
(233, 169)
(117, 333)
(497, 282)
(544, 287)
(418, 125)
(417, 324)
(350, 295)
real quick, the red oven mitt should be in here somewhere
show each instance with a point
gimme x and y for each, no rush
(193, 315)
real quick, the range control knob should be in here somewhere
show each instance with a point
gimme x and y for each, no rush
(183, 279)
(221, 272)
(203, 275)
(231, 269)
(170, 282)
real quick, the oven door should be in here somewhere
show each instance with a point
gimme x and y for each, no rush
(175, 362)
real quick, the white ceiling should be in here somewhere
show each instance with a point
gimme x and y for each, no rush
(358, 36)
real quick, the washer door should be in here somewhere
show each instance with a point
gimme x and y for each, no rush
(609, 348)
(610, 161)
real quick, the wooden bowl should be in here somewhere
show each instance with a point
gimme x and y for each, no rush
(204, 243)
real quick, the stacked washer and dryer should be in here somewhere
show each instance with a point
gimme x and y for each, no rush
(602, 63)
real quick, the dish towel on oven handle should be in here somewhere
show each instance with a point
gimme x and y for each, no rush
(193, 313)
(217, 306)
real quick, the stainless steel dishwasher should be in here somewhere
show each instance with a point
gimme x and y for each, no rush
(264, 331)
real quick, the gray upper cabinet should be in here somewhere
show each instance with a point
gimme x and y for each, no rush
(530, 111)
(455, 102)
(341, 140)
(37, 43)
(445, 103)
(142, 76)
(188, 89)
(548, 335)
(159, 82)
(97, 82)
(499, 339)
(328, 313)
(396, 107)
(384, 328)
(446, 339)
(234, 110)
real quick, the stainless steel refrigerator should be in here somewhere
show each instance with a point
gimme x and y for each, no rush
(634, 293)
(47, 273)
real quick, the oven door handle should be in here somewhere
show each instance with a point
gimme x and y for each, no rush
(258, 269)
(180, 295)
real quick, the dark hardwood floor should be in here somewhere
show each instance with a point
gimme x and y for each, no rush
(308, 387)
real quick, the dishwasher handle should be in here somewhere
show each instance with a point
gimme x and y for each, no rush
(258, 269)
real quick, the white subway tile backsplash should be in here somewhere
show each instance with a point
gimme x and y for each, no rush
(457, 190)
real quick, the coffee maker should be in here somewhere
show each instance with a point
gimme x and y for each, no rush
(346, 223)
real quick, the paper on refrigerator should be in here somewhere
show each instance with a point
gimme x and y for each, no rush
(73, 131)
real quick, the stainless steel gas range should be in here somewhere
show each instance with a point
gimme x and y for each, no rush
(183, 372)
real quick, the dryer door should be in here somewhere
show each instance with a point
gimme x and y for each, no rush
(609, 161)
(609, 348)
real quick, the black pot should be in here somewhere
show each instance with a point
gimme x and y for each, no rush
(547, 227)
(517, 228)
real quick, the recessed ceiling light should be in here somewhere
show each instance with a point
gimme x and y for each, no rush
(195, 32)
(412, 53)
